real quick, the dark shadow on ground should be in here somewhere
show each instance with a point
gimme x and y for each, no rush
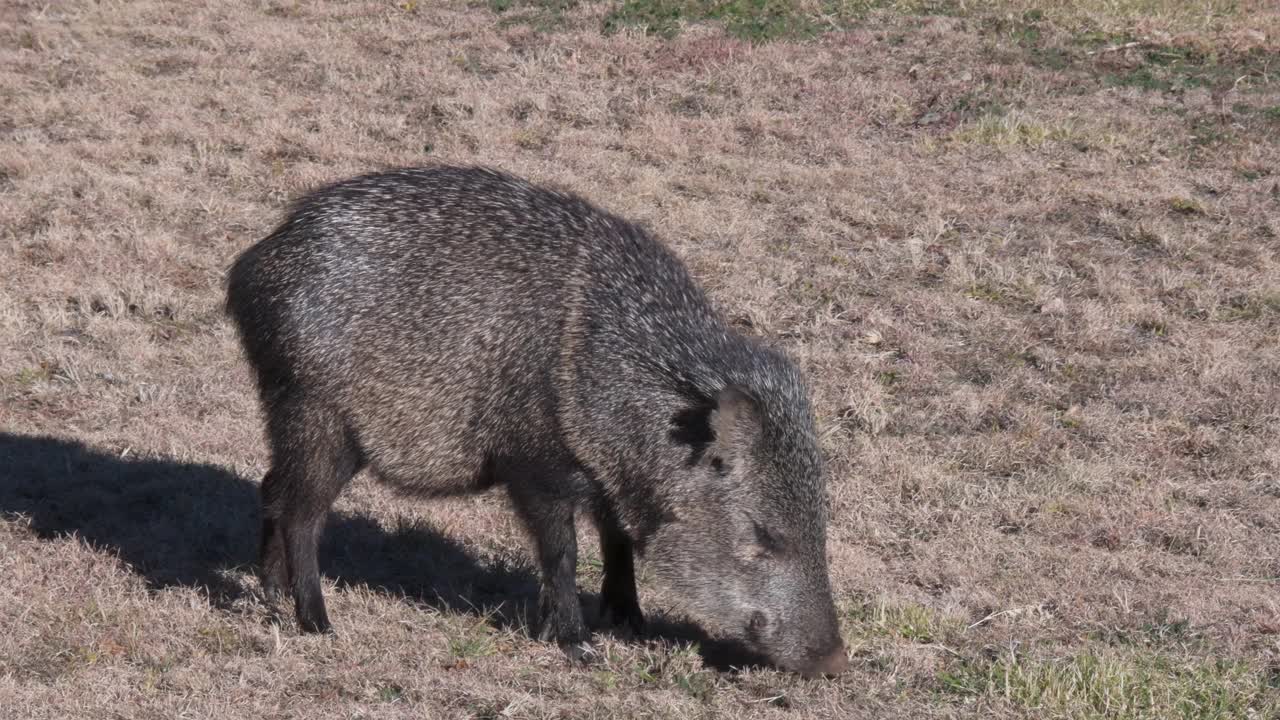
(180, 524)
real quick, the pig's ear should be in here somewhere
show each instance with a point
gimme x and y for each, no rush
(720, 431)
(735, 427)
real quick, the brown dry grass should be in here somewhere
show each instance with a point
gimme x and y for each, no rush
(1037, 290)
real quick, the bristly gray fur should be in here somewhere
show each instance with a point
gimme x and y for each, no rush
(457, 328)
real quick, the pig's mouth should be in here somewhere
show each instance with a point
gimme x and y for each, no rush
(732, 654)
(830, 663)
(827, 661)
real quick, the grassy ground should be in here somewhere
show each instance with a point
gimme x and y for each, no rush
(1027, 250)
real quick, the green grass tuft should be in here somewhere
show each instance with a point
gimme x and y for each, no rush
(1012, 129)
(541, 15)
(472, 642)
(910, 621)
(1139, 686)
(754, 20)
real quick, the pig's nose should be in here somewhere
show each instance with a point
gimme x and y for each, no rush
(833, 663)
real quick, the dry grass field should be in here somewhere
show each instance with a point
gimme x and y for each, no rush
(1028, 252)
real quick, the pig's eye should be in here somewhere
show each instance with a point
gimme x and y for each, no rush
(769, 542)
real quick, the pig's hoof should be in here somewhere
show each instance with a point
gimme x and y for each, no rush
(563, 624)
(624, 618)
(630, 627)
(582, 654)
(272, 592)
(563, 633)
(316, 626)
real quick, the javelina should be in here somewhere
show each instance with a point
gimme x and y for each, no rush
(454, 329)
